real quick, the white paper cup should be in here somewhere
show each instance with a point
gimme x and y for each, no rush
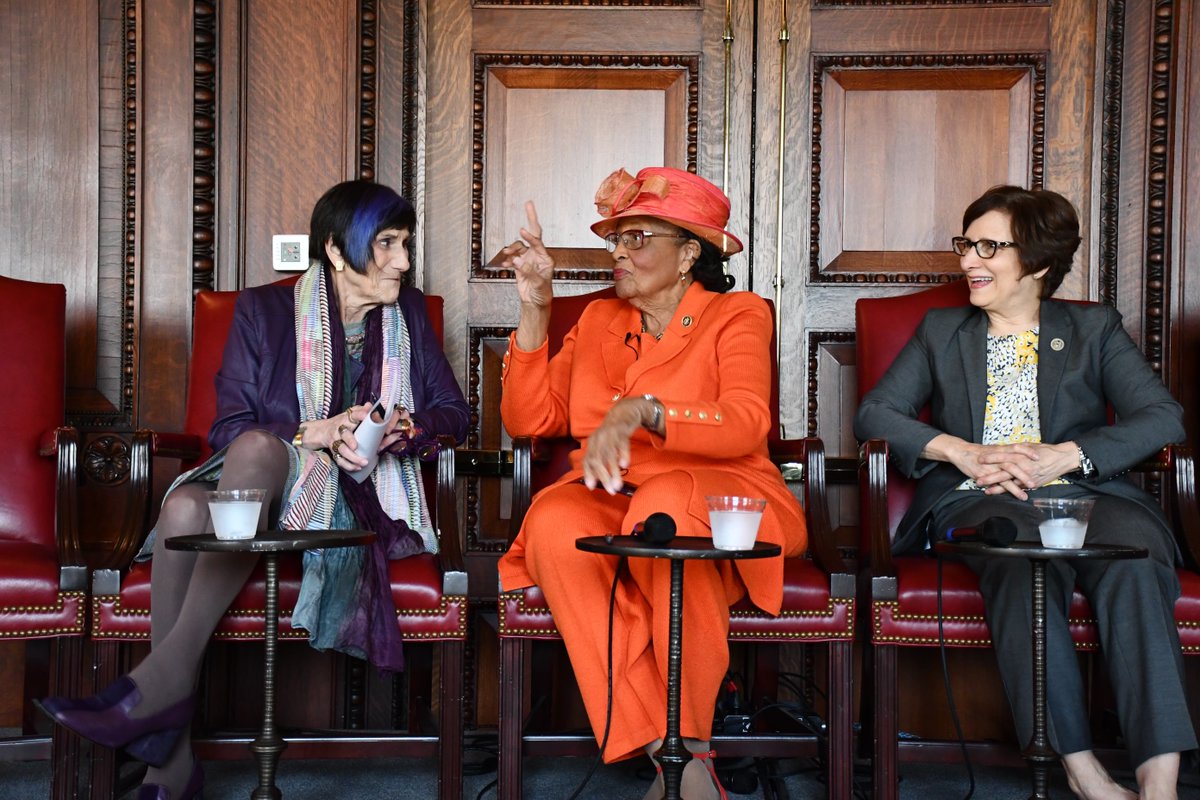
(1064, 521)
(235, 512)
(734, 521)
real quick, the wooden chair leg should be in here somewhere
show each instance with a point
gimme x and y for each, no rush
(106, 668)
(450, 716)
(840, 757)
(513, 656)
(886, 776)
(66, 679)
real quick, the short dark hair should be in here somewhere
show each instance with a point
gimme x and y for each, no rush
(1044, 225)
(709, 268)
(352, 214)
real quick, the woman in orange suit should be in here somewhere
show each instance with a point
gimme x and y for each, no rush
(667, 388)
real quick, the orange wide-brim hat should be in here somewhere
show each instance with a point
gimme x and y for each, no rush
(669, 194)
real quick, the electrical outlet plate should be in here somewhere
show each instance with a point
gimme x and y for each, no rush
(289, 252)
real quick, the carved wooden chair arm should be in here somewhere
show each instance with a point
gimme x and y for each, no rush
(62, 444)
(875, 541)
(450, 558)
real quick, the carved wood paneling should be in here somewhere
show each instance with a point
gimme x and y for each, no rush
(573, 264)
(817, 340)
(1110, 151)
(368, 33)
(963, 3)
(485, 431)
(409, 134)
(591, 3)
(929, 72)
(1158, 186)
(204, 144)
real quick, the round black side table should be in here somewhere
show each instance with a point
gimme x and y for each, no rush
(269, 744)
(673, 755)
(1038, 752)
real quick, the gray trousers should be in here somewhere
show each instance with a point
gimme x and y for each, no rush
(1133, 601)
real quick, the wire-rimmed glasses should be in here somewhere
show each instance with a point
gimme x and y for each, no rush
(633, 240)
(984, 248)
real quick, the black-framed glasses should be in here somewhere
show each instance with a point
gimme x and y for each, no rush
(984, 248)
(633, 240)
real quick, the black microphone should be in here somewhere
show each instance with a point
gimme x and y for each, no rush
(658, 529)
(994, 531)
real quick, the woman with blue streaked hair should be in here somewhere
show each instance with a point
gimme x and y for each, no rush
(302, 367)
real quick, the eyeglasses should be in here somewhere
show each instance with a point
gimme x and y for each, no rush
(985, 248)
(633, 240)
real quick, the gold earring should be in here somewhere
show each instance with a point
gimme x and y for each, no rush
(339, 265)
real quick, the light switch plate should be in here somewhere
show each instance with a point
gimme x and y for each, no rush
(289, 252)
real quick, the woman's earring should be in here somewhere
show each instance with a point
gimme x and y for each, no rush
(682, 277)
(339, 265)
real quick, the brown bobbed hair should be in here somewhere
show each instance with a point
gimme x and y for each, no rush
(1044, 226)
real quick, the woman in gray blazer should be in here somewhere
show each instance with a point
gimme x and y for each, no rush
(1019, 388)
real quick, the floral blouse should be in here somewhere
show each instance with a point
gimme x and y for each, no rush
(1011, 414)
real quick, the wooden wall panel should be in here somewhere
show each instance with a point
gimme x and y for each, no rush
(1185, 313)
(571, 106)
(50, 173)
(299, 120)
(899, 152)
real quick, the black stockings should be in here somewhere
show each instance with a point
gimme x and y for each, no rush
(190, 592)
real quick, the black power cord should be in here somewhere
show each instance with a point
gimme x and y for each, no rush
(962, 742)
(612, 604)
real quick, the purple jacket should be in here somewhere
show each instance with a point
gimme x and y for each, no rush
(256, 385)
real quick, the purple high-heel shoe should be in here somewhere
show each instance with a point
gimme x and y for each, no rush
(105, 719)
(193, 790)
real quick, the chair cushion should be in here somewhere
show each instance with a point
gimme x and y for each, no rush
(32, 325)
(1187, 612)
(31, 604)
(911, 619)
(422, 611)
(524, 614)
(808, 612)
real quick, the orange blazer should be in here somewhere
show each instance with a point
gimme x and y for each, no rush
(712, 372)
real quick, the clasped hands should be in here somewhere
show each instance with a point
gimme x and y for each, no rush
(1015, 468)
(338, 432)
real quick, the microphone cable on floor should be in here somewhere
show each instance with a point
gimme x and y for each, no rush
(612, 605)
(962, 742)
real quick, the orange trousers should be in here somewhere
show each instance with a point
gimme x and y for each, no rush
(577, 586)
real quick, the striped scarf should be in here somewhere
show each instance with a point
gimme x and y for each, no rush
(396, 479)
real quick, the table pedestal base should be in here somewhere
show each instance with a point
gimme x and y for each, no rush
(1038, 752)
(673, 756)
(269, 744)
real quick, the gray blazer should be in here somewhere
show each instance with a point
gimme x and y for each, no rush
(1096, 366)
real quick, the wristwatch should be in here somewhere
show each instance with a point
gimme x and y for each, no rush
(1086, 468)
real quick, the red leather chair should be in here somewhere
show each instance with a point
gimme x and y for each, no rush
(43, 579)
(818, 607)
(430, 591)
(903, 590)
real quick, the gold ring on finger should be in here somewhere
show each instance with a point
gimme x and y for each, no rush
(342, 429)
(336, 447)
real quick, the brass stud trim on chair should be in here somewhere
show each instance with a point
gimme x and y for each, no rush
(519, 597)
(25, 633)
(227, 636)
(830, 611)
